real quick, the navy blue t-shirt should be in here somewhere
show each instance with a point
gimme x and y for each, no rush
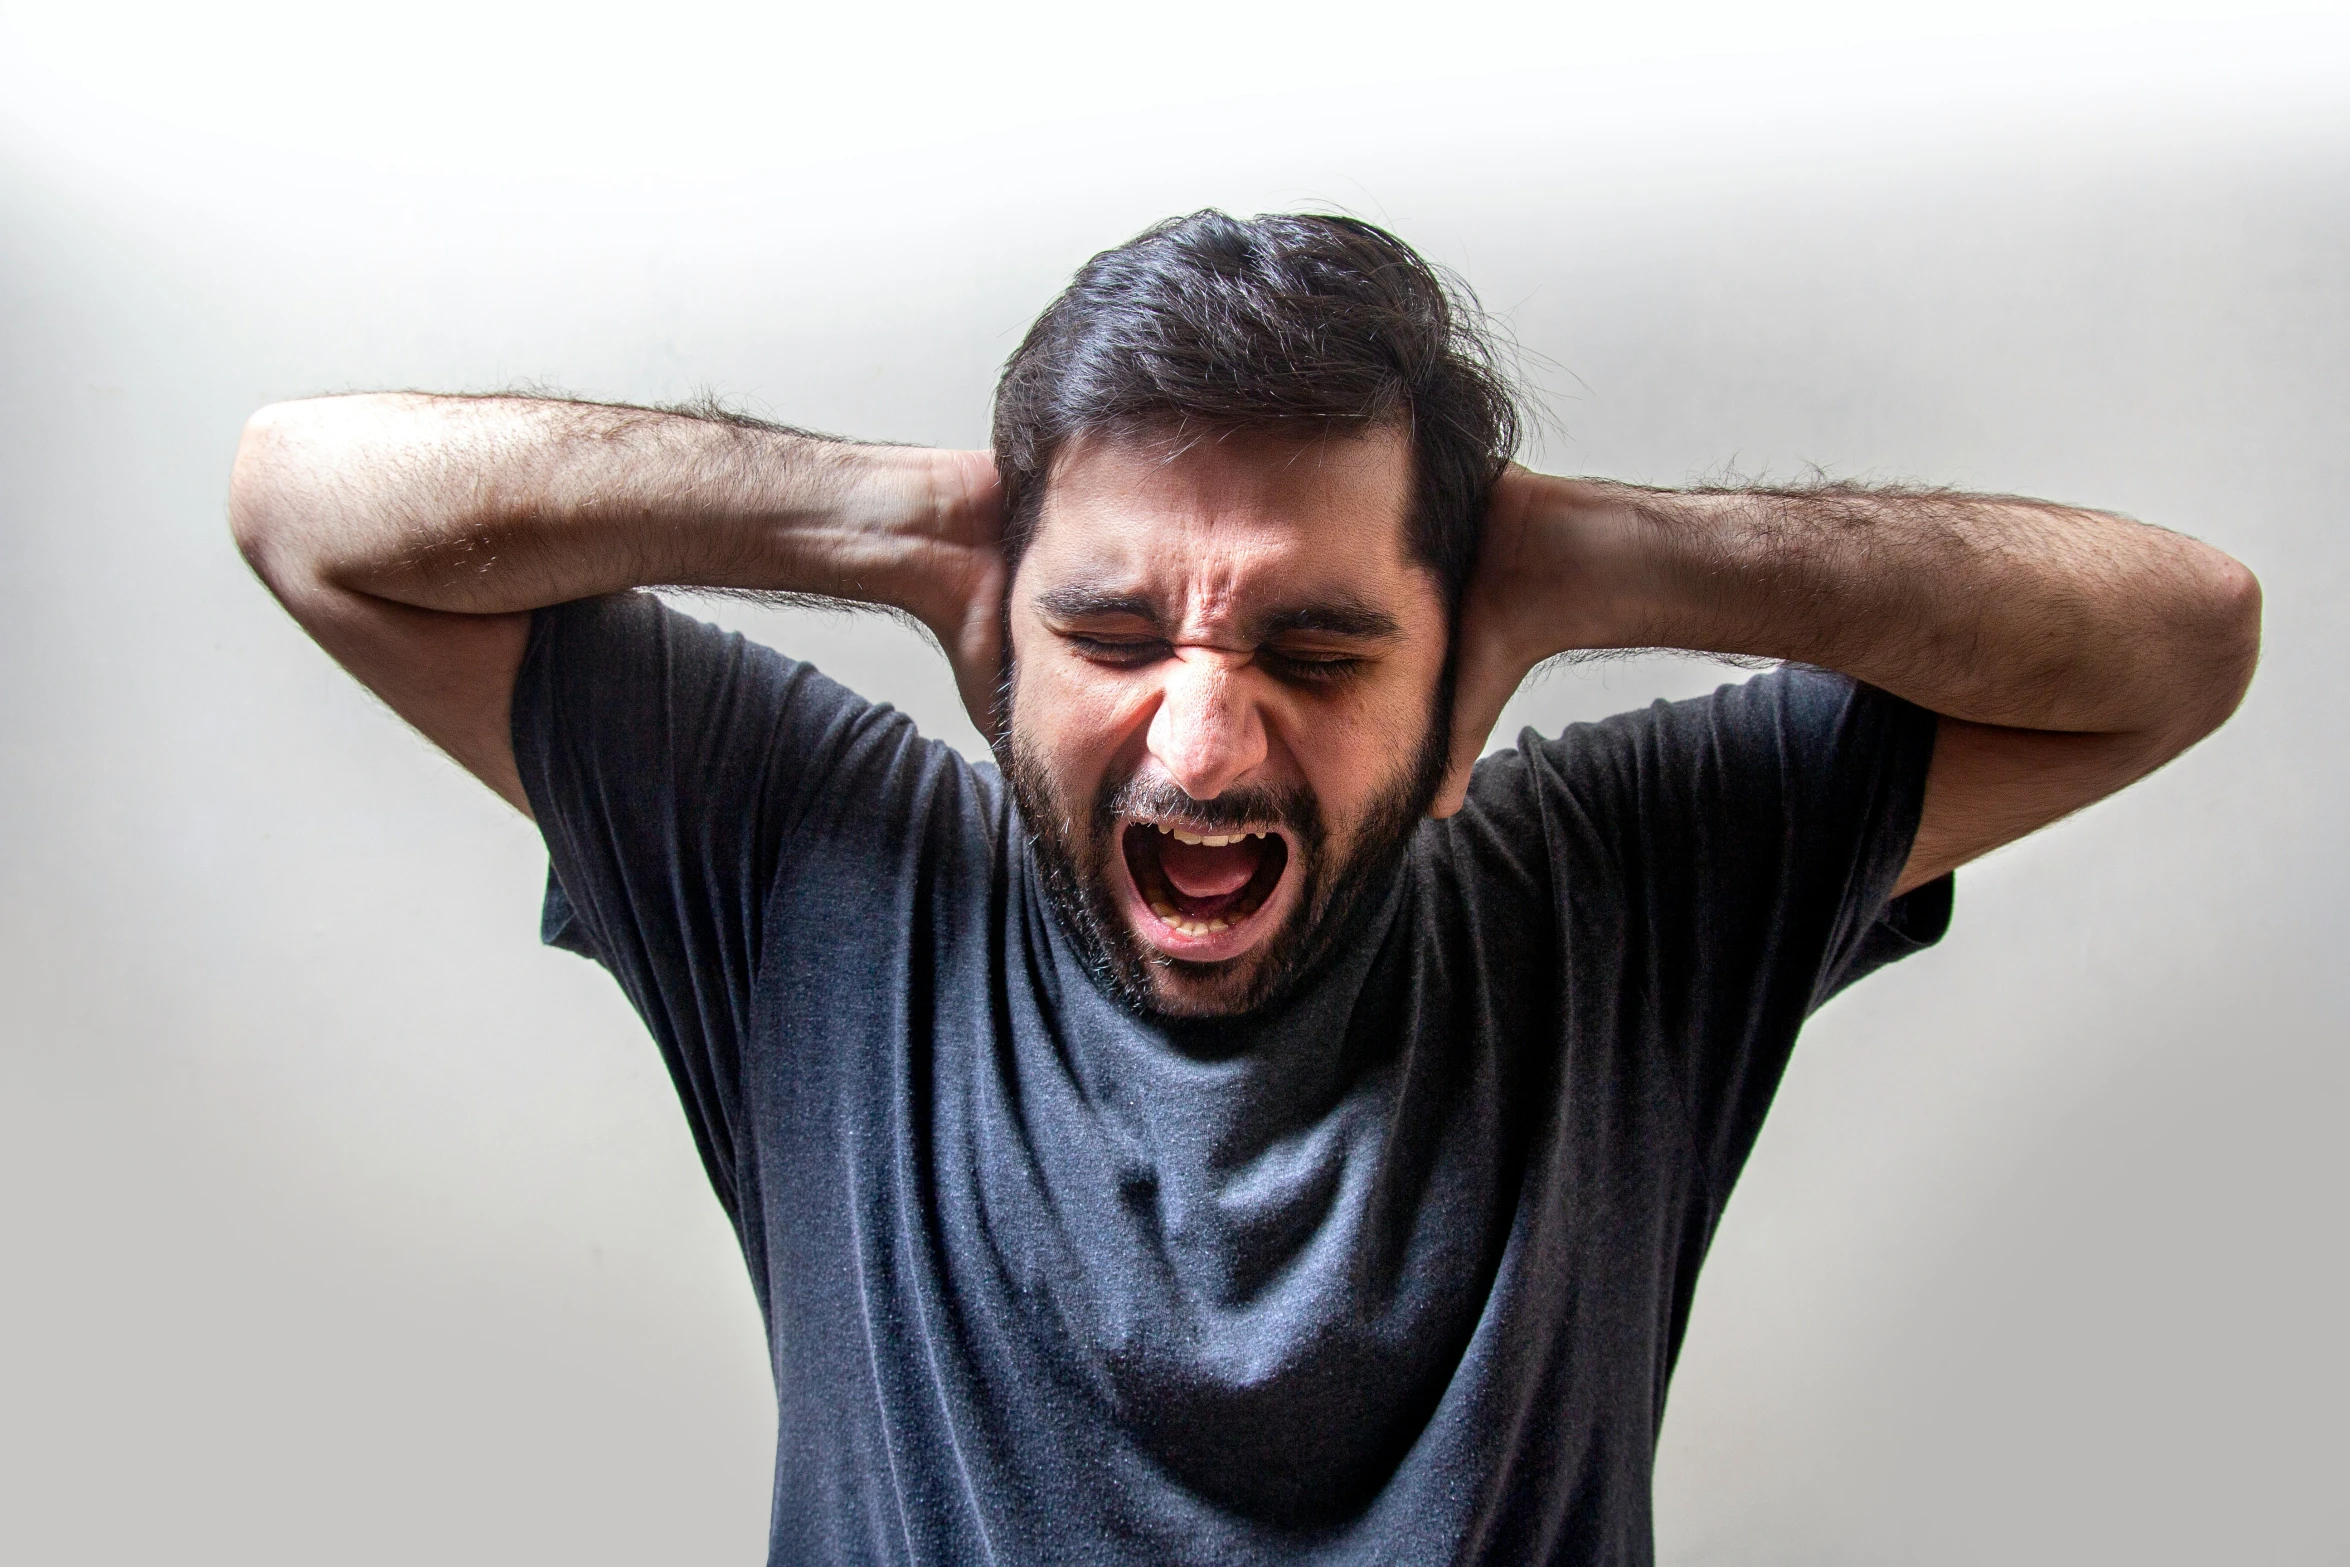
(1392, 1272)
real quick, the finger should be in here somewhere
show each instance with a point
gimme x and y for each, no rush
(1468, 744)
(979, 666)
(1454, 794)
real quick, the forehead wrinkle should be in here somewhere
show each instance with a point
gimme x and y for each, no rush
(1214, 556)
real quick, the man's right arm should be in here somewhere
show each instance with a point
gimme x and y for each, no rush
(412, 536)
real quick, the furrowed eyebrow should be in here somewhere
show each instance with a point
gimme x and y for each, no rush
(1079, 601)
(1348, 618)
(1340, 619)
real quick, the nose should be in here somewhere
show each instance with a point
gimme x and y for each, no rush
(1208, 733)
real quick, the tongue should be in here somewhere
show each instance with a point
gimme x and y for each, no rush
(1197, 871)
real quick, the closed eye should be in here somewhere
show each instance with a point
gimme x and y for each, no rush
(1310, 668)
(1123, 652)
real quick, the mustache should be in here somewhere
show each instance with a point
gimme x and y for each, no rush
(1291, 808)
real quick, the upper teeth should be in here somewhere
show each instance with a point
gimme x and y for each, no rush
(1206, 840)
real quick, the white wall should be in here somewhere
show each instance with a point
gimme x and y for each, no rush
(340, 1222)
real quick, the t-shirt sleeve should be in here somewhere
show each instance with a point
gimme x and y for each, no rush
(669, 765)
(1747, 843)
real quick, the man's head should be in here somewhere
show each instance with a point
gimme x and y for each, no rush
(1245, 468)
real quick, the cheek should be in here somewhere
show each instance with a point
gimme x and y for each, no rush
(1352, 748)
(1067, 694)
(1075, 719)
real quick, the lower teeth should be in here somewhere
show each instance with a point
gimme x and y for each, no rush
(1189, 927)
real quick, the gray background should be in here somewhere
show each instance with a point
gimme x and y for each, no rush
(340, 1222)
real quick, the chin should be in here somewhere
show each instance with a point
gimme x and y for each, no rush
(1198, 992)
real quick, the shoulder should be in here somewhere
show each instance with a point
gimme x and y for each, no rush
(636, 720)
(1733, 772)
(1770, 720)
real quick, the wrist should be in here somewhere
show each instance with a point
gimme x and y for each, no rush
(929, 531)
(1574, 561)
(832, 519)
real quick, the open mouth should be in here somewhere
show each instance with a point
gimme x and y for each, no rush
(1203, 884)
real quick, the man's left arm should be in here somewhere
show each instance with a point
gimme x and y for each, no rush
(2067, 652)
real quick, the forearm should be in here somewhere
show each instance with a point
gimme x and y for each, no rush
(1990, 609)
(494, 505)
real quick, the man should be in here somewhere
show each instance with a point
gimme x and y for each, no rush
(1247, 1127)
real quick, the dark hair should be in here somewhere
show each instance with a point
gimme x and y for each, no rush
(1289, 322)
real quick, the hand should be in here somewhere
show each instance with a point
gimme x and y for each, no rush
(1489, 661)
(964, 580)
(1511, 617)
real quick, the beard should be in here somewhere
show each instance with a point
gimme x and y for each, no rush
(1073, 851)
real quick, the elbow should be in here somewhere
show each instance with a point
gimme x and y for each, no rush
(249, 519)
(2236, 635)
(2224, 649)
(264, 515)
